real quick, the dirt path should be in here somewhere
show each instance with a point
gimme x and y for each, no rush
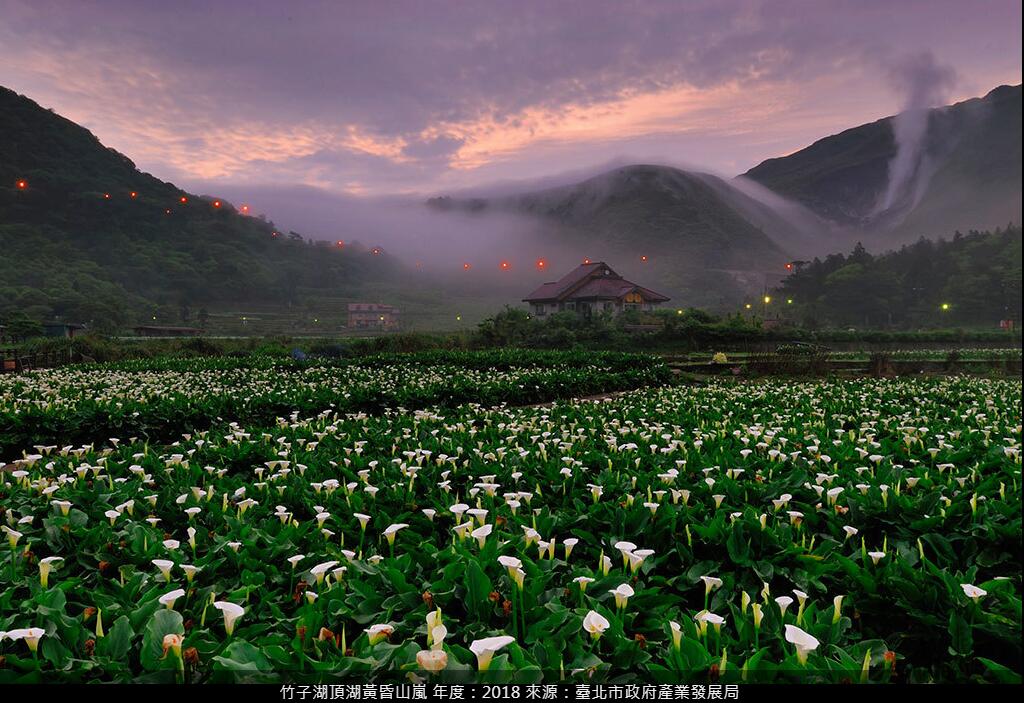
(599, 396)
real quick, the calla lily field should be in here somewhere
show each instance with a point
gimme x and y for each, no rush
(423, 518)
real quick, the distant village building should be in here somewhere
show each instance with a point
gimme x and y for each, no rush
(62, 329)
(372, 316)
(164, 331)
(592, 288)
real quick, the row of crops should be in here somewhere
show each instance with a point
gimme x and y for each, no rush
(836, 531)
(159, 399)
(959, 355)
(964, 355)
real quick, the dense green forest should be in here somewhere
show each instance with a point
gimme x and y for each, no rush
(87, 237)
(971, 280)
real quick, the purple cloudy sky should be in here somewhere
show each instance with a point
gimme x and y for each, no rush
(382, 97)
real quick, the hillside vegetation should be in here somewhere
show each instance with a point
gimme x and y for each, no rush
(972, 280)
(87, 237)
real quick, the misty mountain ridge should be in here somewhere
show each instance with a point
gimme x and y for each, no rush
(690, 235)
(819, 200)
(699, 238)
(966, 174)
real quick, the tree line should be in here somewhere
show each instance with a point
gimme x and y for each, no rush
(972, 280)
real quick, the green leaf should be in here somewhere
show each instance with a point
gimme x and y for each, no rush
(478, 588)
(960, 635)
(1001, 673)
(242, 656)
(56, 653)
(163, 622)
(118, 640)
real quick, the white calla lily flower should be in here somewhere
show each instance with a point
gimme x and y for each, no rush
(805, 643)
(485, 649)
(595, 624)
(231, 611)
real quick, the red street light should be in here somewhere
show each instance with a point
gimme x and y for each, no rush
(376, 250)
(586, 261)
(466, 267)
(340, 243)
(541, 264)
(22, 185)
(106, 196)
(789, 266)
(133, 194)
(245, 209)
(505, 266)
(184, 199)
(216, 203)
(644, 259)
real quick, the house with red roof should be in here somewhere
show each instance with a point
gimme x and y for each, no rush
(592, 288)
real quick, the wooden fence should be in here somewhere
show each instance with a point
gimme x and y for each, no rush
(13, 360)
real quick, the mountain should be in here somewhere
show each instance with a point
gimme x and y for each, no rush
(966, 173)
(87, 237)
(646, 210)
(694, 235)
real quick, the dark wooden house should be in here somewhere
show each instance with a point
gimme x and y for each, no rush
(592, 288)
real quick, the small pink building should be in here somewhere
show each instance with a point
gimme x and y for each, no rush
(372, 316)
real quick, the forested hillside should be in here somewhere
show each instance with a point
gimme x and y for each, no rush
(87, 237)
(971, 280)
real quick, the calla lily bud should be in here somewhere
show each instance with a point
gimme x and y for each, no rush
(837, 603)
(45, 566)
(436, 636)
(677, 634)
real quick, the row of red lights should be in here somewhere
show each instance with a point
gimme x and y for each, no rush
(244, 209)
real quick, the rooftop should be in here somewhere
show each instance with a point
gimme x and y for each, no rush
(592, 280)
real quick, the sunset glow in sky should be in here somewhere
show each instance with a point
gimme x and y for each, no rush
(425, 97)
